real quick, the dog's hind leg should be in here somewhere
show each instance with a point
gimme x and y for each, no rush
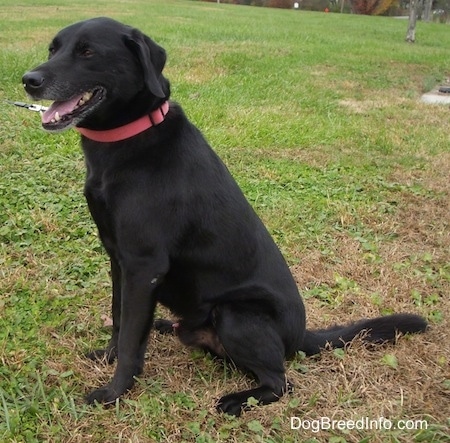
(164, 326)
(251, 342)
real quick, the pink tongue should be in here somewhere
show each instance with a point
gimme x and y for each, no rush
(61, 107)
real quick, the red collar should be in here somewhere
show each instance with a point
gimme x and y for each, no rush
(130, 130)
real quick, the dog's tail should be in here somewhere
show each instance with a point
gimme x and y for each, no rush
(376, 330)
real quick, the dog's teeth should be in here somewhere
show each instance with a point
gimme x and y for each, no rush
(87, 96)
(53, 120)
(57, 116)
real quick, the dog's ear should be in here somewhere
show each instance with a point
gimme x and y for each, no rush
(152, 58)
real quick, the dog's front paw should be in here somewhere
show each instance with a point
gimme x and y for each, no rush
(105, 395)
(231, 404)
(108, 354)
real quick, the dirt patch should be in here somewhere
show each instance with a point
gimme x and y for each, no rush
(364, 106)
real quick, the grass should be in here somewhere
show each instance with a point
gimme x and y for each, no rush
(318, 118)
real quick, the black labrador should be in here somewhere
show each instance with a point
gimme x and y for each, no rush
(176, 226)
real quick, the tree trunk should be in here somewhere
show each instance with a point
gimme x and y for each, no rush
(411, 33)
(427, 10)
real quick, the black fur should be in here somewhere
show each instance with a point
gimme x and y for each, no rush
(176, 226)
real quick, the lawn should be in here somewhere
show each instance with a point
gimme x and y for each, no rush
(319, 119)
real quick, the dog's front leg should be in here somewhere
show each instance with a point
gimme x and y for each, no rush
(136, 318)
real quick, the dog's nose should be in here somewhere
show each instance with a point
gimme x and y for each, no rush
(32, 81)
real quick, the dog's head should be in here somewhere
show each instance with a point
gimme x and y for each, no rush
(100, 73)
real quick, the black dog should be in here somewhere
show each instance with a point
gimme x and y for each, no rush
(175, 224)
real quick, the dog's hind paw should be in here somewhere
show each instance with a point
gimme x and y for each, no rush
(165, 326)
(232, 404)
(235, 403)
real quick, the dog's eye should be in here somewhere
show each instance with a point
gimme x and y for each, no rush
(87, 53)
(51, 51)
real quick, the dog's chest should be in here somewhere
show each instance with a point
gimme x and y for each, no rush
(100, 173)
(96, 200)
(96, 197)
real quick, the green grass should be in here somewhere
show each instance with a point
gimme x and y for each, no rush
(317, 116)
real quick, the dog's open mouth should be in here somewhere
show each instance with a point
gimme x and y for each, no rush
(63, 114)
